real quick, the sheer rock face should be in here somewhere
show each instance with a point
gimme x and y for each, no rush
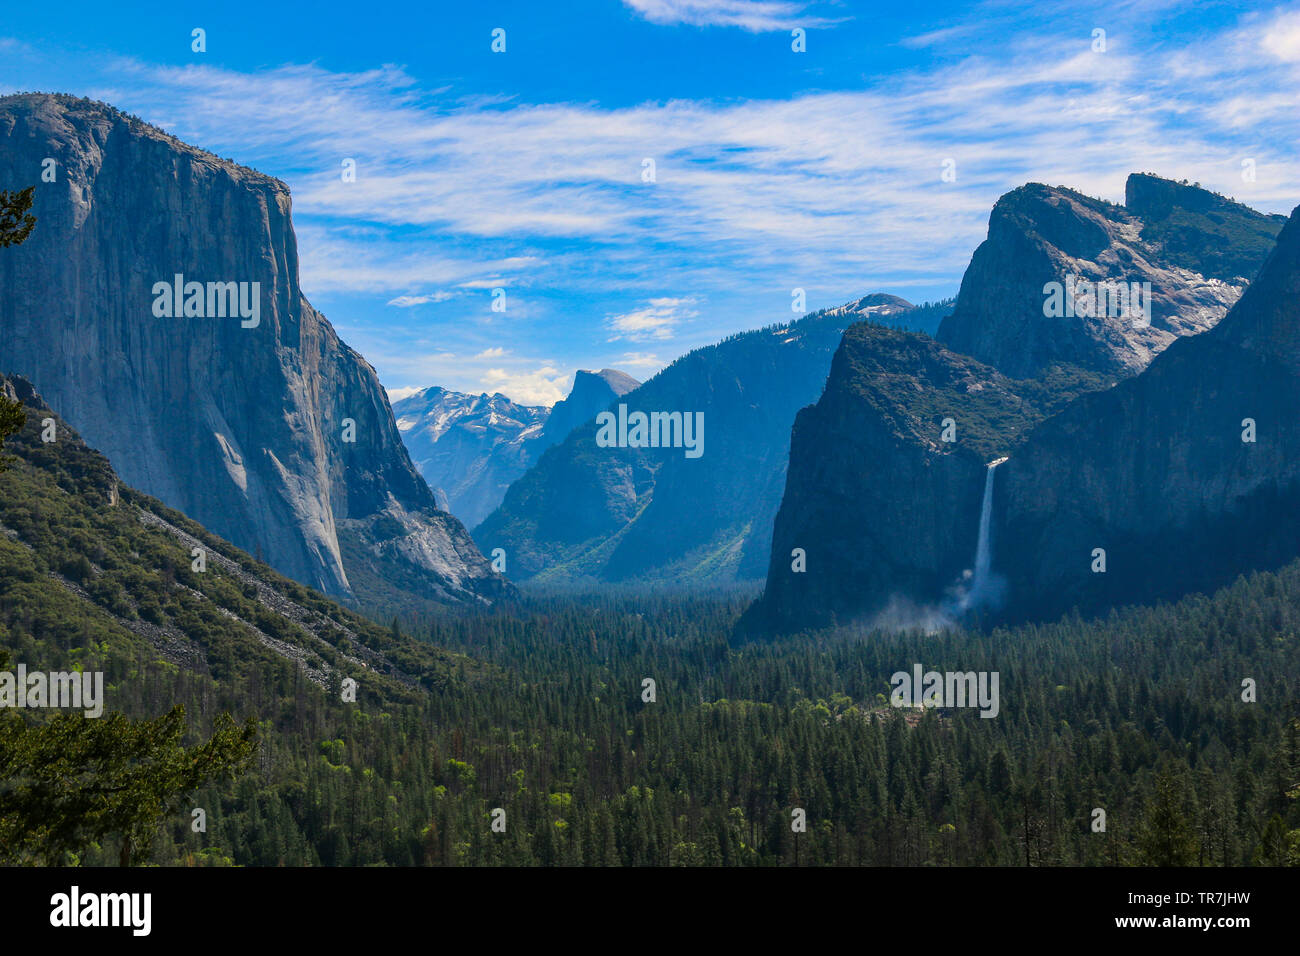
(591, 394)
(887, 514)
(1156, 472)
(243, 427)
(878, 509)
(1167, 235)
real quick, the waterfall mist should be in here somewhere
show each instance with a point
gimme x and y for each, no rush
(978, 586)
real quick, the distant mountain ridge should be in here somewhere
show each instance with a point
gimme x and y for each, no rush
(894, 311)
(266, 428)
(586, 513)
(470, 448)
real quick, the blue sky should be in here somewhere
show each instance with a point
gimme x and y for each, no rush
(774, 170)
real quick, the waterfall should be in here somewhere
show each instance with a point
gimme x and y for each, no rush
(976, 587)
(981, 586)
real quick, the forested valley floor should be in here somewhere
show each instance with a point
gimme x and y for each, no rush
(540, 710)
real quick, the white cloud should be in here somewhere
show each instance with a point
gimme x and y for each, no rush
(407, 301)
(540, 386)
(756, 16)
(658, 319)
(1281, 39)
(529, 380)
(338, 257)
(397, 394)
(837, 192)
(809, 191)
(639, 360)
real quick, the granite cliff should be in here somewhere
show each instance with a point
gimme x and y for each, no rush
(592, 392)
(241, 408)
(1197, 251)
(885, 510)
(1185, 476)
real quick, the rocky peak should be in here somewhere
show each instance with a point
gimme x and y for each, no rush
(591, 394)
(1042, 239)
(884, 510)
(874, 305)
(1184, 475)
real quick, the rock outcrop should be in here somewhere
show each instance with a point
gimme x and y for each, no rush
(1159, 472)
(1167, 235)
(242, 408)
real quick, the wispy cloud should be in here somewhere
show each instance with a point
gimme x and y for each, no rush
(530, 380)
(1282, 38)
(641, 360)
(657, 319)
(756, 16)
(339, 256)
(397, 394)
(807, 191)
(407, 301)
(838, 190)
(932, 38)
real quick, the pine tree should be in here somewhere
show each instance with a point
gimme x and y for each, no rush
(16, 221)
(76, 780)
(1166, 837)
